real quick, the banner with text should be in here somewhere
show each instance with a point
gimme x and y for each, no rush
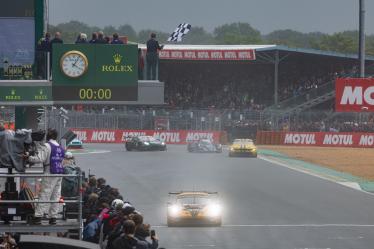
(327, 139)
(120, 136)
(354, 95)
(236, 55)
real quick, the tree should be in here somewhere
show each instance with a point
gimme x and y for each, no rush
(127, 30)
(237, 33)
(110, 30)
(344, 42)
(144, 35)
(292, 38)
(198, 35)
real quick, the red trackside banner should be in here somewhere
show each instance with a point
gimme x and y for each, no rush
(236, 55)
(119, 136)
(354, 95)
(328, 139)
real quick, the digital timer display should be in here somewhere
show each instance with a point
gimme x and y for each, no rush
(83, 94)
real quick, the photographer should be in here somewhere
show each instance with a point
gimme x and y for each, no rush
(144, 231)
(50, 155)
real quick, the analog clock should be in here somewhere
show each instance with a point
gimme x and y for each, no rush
(74, 64)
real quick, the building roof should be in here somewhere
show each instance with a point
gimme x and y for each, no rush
(260, 48)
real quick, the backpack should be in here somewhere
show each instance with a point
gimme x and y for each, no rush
(56, 158)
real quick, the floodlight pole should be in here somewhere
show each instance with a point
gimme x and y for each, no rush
(361, 54)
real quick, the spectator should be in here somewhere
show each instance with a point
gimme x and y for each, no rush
(82, 39)
(43, 48)
(8, 242)
(142, 232)
(152, 56)
(100, 38)
(93, 38)
(116, 40)
(127, 240)
(107, 39)
(57, 38)
(140, 64)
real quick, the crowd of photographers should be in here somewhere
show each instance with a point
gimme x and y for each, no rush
(112, 220)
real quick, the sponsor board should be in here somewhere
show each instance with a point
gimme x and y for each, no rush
(120, 136)
(354, 95)
(236, 55)
(337, 139)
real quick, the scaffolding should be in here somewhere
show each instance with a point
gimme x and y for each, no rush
(61, 226)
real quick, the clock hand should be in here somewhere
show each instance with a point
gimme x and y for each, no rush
(75, 62)
(78, 67)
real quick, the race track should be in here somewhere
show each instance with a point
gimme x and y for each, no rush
(265, 205)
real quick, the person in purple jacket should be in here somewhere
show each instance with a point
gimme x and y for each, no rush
(51, 156)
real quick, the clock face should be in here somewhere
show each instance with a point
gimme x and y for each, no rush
(74, 64)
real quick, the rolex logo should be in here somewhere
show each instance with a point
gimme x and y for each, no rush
(41, 92)
(117, 58)
(13, 92)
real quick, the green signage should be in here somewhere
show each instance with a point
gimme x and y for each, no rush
(95, 72)
(25, 93)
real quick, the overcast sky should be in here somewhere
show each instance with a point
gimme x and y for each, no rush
(266, 15)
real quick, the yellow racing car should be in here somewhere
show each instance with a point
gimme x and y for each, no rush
(191, 208)
(243, 147)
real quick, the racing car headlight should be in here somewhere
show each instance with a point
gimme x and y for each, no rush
(214, 210)
(232, 149)
(145, 143)
(162, 143)
(174, 210)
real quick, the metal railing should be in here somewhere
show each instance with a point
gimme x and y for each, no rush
(43, 228)
(305, 96)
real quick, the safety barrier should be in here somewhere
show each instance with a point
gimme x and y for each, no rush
(168, 136)
(325, 139)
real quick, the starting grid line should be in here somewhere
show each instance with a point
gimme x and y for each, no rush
(288, 225)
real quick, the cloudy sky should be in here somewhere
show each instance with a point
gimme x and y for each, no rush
(266, 15)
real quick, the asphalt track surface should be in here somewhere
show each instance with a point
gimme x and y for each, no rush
(265, 205)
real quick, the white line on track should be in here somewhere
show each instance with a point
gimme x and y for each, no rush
(288, 225)
(91, 152)
(313, 174)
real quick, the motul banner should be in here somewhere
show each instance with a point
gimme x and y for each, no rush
(354, 95)
(242, 55)
(330, 139)
(120, 136)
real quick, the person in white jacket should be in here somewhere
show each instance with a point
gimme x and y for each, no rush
(50, 155)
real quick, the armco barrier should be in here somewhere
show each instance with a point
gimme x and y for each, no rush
(169, 137)
(325, 139)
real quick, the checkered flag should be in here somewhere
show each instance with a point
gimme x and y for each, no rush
(179, 32)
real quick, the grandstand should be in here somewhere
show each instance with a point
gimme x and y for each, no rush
(273, 77)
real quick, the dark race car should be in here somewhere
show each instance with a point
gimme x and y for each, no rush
(204, 146)
(144, 143)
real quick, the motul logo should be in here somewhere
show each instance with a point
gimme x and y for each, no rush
(357, 96)
(193, 136)
(300, 139)
(103, 136)
(132, 134)
(168, 137)
(366, 140)
(354, 95)
(81, 135)
(338, 139)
